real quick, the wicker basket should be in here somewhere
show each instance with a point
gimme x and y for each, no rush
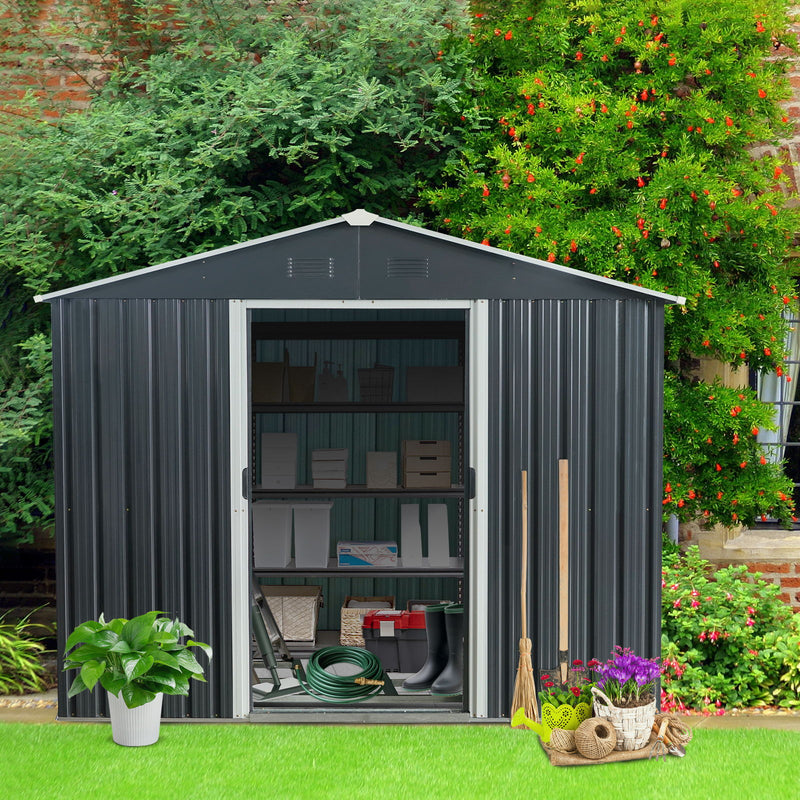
(633, 725)
(376, 383)
(351, 634)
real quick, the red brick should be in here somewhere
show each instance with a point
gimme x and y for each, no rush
(787, 583)
(764, 566)
(785, 597)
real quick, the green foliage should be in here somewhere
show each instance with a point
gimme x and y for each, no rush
(213, 123)
(714, 468)
(21, 668)
(727, 640)
(139, 657)
(618, 138)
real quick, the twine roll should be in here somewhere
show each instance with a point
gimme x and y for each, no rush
(595, 738)
(562, 740)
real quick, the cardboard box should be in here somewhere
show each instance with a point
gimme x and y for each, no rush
(435, 384)
(427, 464)
(427, 480)
(425, 447)
(272, 534)
(382, 470)
(312, 534)
(330, 454)
(296, 610)
(367, 554)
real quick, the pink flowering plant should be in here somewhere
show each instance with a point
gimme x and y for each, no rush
(577, 689)
(626, 679)
(728, 639)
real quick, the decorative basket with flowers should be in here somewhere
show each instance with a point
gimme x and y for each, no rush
(624, 695)
(566, 705)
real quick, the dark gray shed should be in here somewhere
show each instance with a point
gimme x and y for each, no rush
(155, 430)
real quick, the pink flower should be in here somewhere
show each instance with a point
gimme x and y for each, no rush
(714, 636)
(695, 604)
(750, 622)
(751, 610)
(549, 684)
(695, 593)
(728, 596)
(676, 603)
(702, 636)
(674, 587)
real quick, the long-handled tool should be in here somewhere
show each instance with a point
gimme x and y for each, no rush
(524, 686)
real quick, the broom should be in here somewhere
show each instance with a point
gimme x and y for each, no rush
(524, 687)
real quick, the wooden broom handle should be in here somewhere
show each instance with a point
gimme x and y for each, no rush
(563, 555)
(523, 584)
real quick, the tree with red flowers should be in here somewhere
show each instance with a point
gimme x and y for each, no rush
(616, 138)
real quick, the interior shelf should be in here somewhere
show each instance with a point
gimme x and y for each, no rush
(356, 491)
(456, 569)
(356, 408)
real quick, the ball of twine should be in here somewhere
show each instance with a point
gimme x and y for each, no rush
(595, 738)
(562, 740)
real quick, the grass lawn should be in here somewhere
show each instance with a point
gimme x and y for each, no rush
(261, 762)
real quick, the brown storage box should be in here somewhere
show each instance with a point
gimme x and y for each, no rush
(351, 634)
(426, 464)
(427, 480)
(425, 447)
(296, 610)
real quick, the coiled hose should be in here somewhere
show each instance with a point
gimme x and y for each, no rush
(331, 688)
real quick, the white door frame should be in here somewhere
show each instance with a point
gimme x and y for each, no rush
(477, 658)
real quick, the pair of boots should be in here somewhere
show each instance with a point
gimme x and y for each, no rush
(443, 669)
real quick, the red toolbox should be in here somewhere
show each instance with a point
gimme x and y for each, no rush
(397, 638)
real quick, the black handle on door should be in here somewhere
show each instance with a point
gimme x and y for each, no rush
(470, 483)
(245, 484)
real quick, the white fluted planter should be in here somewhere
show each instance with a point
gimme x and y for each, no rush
(135, 727)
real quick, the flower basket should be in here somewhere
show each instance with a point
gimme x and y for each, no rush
(633, 725)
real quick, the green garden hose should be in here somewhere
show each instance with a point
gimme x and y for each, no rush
(331, 688)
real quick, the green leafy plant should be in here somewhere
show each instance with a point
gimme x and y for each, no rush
(727, 640)
(577, 689)
(618, 138)
(138, 658)
(21, 650)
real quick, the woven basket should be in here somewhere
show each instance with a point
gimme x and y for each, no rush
(595, 738)
(633, 725)
(351, 633)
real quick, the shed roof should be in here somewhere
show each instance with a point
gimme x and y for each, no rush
(359, 255)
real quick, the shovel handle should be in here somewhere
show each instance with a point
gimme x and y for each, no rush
(524, 580)
(563, 556)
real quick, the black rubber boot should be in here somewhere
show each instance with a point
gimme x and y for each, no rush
(437, 650)
(452, 677)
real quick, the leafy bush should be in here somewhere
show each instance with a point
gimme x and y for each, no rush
(617, 138)
(727, 640)
(21, 668)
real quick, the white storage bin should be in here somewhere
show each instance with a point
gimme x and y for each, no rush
(312, 534)
(272, 534)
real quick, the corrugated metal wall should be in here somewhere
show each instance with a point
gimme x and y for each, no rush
(142, 466)
(580, 380)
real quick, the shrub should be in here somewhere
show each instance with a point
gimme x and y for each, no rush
(727, 640)
(21, 668)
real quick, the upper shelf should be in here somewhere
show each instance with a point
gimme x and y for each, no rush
(354, 408)
(366, 329)
(356, 490)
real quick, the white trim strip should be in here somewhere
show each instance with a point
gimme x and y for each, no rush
(240, 512)
(478, 577)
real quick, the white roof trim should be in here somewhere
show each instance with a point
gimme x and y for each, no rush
(360, 217)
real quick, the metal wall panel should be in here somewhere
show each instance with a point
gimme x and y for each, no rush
(580, 380)
(142, 470)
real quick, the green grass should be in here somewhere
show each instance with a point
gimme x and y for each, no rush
(262, 762)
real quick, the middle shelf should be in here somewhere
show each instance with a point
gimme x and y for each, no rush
(355, 490)
(456, 568)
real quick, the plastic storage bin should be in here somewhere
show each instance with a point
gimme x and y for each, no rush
(312, 534)
(272, 534)
(397, 638)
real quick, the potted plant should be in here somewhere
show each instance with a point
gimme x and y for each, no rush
(566, 705)
(624, 695)
(137, 662)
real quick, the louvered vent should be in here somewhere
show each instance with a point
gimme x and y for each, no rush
(407, 268)
(309, 268)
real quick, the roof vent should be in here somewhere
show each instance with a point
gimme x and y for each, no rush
(309, 268)
(407, 268)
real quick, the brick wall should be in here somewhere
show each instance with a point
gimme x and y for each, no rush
(783, 574)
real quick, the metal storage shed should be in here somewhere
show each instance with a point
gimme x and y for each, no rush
(153, 439)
